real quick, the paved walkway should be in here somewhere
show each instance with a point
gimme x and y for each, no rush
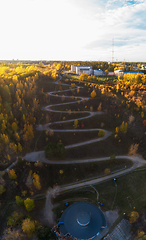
(121, 231)
(138, 161)
(90, 114)
(110, 217)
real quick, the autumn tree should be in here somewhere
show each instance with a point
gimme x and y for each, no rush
(14, 218)
(28, 227)
(101, 133)
(107, 170)
(93, 94)
(13, 234)
(12, 174)
(133, 216)
(19, 201)
(36, 181)
(140, 235)
(76, 125)
(133, 149)
(29, 204)
(28, 133)
(2, 189)
(123, 127)
(14, 126)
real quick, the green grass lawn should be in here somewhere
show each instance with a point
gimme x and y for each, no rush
(50, 175)
(131, 190)
(104, 148)
(128, 195)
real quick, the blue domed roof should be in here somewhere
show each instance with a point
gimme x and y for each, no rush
(82, 220)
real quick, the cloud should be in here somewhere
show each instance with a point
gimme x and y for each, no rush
(137, 17)
(72, 29)
(107, 42)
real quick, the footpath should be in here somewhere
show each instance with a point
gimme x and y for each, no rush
(138, 161)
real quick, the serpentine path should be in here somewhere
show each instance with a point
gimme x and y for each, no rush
(90, 114)
(138, 161)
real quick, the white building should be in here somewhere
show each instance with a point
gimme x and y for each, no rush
(82, 69)
(86, 69)
(98, 72)
(73, 68)
(143, 67)
(119, 73)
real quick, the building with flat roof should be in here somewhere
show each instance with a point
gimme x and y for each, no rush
(82, 69)
(80, 221)
(98, 72)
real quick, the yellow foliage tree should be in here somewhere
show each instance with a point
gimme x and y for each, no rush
(17, 137)
(14, 218)
(36, 181)
(3, 126)
(101, 133)
(13, 147)
(133, 149)
(123, 127)
(28, 227)
(12, 174)
(93, 94)
(28, 132)
(4, 138)
(8, 157)
(133, 216)
(29, 204)
(19, 147)
(107, 170)
(75, 124)
(117, 129)
(99, 107)
(140, 234)
(2, 189)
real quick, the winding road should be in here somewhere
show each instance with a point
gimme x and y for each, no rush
(137, 160)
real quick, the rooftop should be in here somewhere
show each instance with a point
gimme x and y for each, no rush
(82, 220)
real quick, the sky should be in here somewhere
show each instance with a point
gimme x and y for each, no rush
(85, 30)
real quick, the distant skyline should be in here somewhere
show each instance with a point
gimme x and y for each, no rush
(73, 30)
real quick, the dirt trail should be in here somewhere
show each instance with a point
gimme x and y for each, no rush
(48, 211)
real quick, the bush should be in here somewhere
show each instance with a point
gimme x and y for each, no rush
(101, 133)
(19, 161)
(19, 201)
(107, 170)
(36, 181)
(123, 127)
(12, 174)
(133, 216)
(29, 204)
(112, 157)
(14, 219)
(55, 150)
(93, 94)
(45, 233)
(2, 189)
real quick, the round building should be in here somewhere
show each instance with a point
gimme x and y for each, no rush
(81, 220)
